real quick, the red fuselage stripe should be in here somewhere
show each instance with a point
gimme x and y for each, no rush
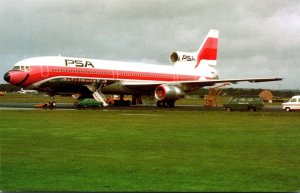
(39, 73)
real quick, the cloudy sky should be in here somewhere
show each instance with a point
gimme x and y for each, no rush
(257, 38)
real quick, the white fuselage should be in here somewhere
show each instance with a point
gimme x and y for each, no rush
(65, 67)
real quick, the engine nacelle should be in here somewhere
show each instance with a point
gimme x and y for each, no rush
(176, 57)
(166, 92)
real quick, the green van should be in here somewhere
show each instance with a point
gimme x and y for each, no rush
(250, 103)
(88, 102)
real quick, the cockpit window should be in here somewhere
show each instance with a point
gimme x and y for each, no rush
(16, 68)
(23, 68)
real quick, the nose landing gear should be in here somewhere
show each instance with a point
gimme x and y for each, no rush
(52, 103)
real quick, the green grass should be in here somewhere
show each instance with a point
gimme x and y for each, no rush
(149, 150)
(32, 98)
(42, 98)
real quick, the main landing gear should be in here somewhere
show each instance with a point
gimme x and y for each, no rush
(164, 103)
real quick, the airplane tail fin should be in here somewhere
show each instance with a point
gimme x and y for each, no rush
(206, 54)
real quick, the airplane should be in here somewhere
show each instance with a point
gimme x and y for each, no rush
(22, 91)
(83, 77)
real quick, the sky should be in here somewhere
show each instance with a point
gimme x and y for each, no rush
(257, 38)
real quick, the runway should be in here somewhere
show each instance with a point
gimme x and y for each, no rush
(70, 106)
(31, 106)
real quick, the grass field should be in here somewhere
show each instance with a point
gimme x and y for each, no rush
(149, 150)
(32, 98)
(42, 98)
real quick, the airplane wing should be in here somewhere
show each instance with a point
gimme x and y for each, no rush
(197, 83)
(233, 81)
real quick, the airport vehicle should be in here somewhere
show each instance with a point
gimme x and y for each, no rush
(292, 104)
(22, 91)
(250, 103)
(59, 75)
(88, 102)
(42, 105)
(115, 100)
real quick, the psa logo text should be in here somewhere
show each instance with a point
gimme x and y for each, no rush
(79, 63)
(188, 58)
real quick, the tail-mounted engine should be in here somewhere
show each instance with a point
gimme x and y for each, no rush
(166, 92)
(179, 57)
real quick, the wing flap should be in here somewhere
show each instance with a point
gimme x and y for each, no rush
(233, 81)
(200, 83)
(145, 86)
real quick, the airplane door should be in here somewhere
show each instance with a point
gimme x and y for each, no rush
(175, 77)
(44, 71)
(116, 74)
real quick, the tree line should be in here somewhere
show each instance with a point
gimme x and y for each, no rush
(246, 91)
(201, 92)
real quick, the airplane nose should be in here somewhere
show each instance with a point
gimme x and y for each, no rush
(6, 77)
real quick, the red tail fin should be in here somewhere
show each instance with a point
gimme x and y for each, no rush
(209, 48)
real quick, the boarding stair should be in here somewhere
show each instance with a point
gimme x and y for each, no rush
(213, 93)
(99, 96)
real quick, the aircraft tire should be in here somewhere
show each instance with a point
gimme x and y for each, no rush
(52, 104)
(171, 103)
(159, 103)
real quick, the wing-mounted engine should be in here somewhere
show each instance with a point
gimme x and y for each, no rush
(183, 57)
(166, 92)
(167, 95)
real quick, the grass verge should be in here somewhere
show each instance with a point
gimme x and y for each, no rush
(149, 150)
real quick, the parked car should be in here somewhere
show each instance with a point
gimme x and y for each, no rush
(88, 102)
(292, 104)
(250, 103)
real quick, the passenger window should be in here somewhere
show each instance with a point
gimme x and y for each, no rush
(294, 100)
(242, 100)
(27, 68)
(23, 68)
(234, 100)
